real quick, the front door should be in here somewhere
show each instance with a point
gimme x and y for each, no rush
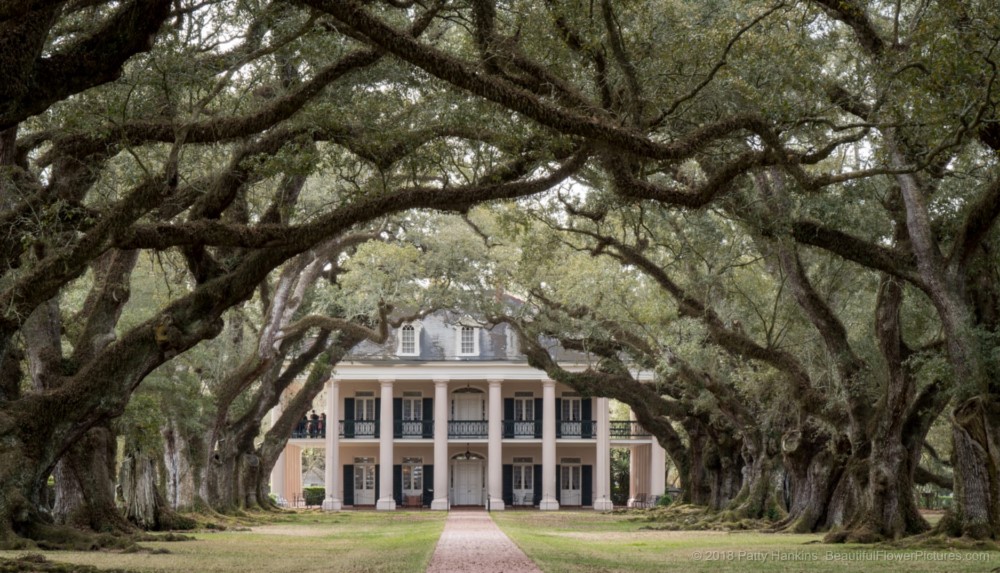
(570, 478)
(364, 482)
(467, 482)
(524, 489)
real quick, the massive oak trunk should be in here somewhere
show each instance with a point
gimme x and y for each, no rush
(815, 465)
(976, 459)
(760, 496)
(138, 489)
(180, 469)
(85, 482)
(884, 467)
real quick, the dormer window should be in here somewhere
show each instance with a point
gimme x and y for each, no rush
(409, 340)
(468, 340)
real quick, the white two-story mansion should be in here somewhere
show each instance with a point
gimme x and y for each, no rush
(448, 413)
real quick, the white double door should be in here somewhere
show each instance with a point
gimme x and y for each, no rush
(570, 486)
(467, 482)
(364, 484)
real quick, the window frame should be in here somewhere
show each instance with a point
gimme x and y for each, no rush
(416, 327)
(459, 342)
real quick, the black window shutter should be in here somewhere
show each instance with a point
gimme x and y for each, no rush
(349, 421)
(539, 416)
(558, 420)
(587, 412)
(428, 484)
(508, 484)
(378, 483)
(397, 484)
(428, 417)
(587, 485)
(348, 484)
(397, 415)
(508, 416)
(558, 484)
(537, 484)
(378, 425)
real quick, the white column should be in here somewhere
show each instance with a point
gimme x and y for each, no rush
(633, 468)
(494, 474)
(332, 478)
(278, 471)
(440, 501)
(657, 469)
(385, 501)
(602, 469)
(548, 447)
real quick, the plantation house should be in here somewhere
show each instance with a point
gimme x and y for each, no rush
(461, 419)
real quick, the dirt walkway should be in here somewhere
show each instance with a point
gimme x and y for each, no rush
(472, 543)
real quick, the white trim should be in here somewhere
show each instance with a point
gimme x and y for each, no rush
(439, 370)
(459, 329)
(417, 327)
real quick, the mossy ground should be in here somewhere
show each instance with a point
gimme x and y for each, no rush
(300, 541)
(624, 542)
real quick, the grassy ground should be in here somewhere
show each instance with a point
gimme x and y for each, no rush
(577, 542)
(300, 542)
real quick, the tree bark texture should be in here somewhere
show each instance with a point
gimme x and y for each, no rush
(85, 478)
(141, 504)
(976, 459)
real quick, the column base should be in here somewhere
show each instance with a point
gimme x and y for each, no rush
(496, 504)
(332, 505)
(548, 505)
(440, 504)
(385, 504)
(603, 505)
(631, 502)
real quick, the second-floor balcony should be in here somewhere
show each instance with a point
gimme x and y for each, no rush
(468, 429)
(522, 428)
(576, 429)
(359, 428)
(627, 429)
(479, 429)
(413, 429)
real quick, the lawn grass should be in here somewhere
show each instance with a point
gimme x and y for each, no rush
(585, 541)
(299, 542)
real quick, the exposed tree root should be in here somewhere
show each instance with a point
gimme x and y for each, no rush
(35, 563)
(685, 517)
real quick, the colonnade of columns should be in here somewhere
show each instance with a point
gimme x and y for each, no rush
(643, 458)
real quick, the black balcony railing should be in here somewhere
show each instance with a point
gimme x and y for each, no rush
(627, 429)
(467, 429)
(359, 428)
(413, 429)
(576, 429)
(319, 434)
(522, 428)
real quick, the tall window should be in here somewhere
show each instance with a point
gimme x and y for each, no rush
(408, 337)
(413, 475)
(524, 406)
(571, 411)
(468, 340)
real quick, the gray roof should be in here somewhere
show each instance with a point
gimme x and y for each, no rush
(438, 340)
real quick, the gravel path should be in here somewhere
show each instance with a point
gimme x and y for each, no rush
(472, 543)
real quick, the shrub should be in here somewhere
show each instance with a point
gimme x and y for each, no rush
(314, 495)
